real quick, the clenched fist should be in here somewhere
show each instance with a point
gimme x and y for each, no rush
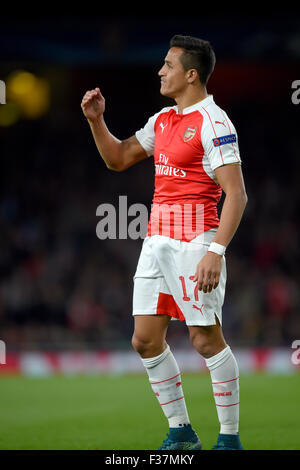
(93, 104)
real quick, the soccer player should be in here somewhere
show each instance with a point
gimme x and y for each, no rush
(181, 272)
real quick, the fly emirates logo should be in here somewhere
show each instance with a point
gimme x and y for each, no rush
(162, 167)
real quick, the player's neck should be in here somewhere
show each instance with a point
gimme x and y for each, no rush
(190, 97)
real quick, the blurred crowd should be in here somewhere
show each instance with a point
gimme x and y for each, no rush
(63, 288)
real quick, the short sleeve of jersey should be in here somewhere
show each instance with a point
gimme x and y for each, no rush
(146, 135)
(220, 142)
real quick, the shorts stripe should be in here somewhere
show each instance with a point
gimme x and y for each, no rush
(166, 305)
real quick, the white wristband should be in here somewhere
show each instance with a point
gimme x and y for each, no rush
(217, 248)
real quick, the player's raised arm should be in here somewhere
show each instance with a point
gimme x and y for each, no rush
(117, 154)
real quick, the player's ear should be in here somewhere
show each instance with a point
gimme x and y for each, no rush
(191, 75)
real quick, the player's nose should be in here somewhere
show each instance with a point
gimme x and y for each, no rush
(161, 72)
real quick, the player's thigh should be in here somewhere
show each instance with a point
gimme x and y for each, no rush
(150, 333)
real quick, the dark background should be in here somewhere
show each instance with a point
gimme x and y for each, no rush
(63, 288)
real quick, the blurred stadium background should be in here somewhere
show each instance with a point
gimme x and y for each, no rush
(65, 295)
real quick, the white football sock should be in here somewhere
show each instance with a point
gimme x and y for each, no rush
(224, 374)
(164, 377)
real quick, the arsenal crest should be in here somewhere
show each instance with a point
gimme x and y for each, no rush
(189, 133)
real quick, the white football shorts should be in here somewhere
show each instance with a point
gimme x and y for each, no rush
(163, 281)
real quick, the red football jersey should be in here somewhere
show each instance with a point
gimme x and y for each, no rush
(187, 148)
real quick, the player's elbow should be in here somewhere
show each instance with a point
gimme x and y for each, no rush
(117, 164)
(244, 197)
(243, 200)
(120, 166)
(114, 166)
(239, 195)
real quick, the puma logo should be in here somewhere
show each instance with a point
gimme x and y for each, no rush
(221, 122)
(195, 306)
(163, 127)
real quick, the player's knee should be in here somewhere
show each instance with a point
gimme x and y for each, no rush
(202, 344)
(140, 345)
(136, 343)
(145, 346)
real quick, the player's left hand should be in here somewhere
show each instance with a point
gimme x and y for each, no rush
(208, 272)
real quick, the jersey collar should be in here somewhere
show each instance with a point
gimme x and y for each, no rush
(190, 109)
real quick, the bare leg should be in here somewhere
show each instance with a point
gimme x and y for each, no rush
(149, 337)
